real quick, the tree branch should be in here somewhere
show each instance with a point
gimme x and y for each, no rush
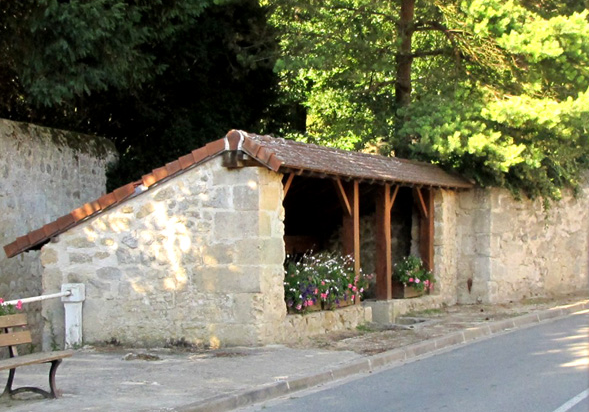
(438, 52)
(362, 10)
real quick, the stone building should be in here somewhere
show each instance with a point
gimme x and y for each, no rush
(194, 251)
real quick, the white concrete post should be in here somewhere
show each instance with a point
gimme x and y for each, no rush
(73, 313)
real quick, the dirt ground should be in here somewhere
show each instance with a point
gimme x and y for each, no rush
(415, 327)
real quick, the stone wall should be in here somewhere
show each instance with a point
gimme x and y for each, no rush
(513, 250)
(195, 260)
(45, 174)
(445, 246)
(297, 328)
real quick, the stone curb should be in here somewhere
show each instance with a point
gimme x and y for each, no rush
(369, 364)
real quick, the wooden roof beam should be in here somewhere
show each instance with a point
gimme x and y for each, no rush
(343, 197)
(288, 183)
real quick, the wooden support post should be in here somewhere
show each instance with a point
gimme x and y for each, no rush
(350, 199)
(384, 263)
(425, 197)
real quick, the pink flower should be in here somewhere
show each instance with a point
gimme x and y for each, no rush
(349, 286)
(426, 283)
(354, 288)
(361, 290)
(316, 291)
(417, 280)
(1, 300)
(323, 282)
(353, 296)
(19, 305)
(410, 280)
(299, 307)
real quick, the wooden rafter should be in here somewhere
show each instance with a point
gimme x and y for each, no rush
(288, 183)
(393, 197)
(423, 209)
(343, 196)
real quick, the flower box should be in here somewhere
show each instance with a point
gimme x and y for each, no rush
(324, 278)
(401, 291)
(341, 303)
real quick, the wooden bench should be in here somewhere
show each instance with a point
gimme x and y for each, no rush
(13, 332)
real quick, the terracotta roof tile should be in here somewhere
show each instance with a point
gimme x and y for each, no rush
(251, 146)
(65, 221)
(12, 249)
(264, 154)
(22, 241)
(124, 192)
(200, 154)
(215, 147)
(107, 200)
(79, 213)
(149, 180)
(50, 229)
(160, 173)
(233, 138)
(276, 154)
(186, 161)
(274, 162)
(173, 167)
(36, 236)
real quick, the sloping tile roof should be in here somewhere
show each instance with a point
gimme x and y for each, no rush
(277, 154)
(321, 160)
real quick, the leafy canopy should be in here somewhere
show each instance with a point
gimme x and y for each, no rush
(159, 78)
(498, 90)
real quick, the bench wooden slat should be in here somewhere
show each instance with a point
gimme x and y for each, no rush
(15, 338)
(10, 321)
(34, 358)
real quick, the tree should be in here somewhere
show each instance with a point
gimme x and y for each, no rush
(495, 89)
(159, 78)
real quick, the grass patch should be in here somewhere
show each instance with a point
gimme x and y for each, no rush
(426, 312)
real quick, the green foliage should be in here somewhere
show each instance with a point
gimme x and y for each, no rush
(159, 78)
(9, 309)
(89, 46)
(499, 88)
(411, 272)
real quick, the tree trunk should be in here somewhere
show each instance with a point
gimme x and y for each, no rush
(404, 58)
(404, 61)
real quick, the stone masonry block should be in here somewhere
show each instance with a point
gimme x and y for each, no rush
(233, 225)
(259, 251)
(227, 279)
(246, 197)
(218, 254)
(217, 198)
(270, 197)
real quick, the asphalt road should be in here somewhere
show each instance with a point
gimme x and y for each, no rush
(537, 369)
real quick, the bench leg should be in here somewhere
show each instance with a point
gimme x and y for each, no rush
(8, 387)
(54, 365)
(8, 391)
